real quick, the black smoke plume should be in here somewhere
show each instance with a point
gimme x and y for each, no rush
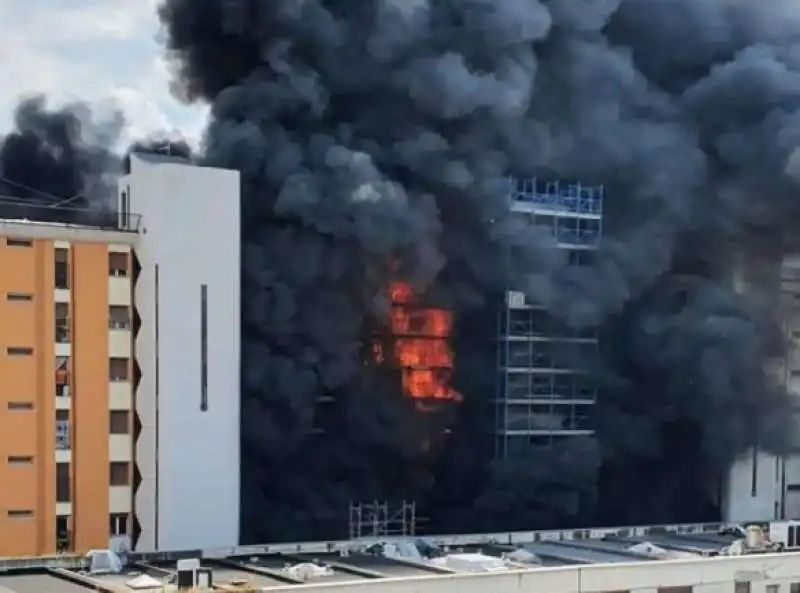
(59, 164)
(375, 132)
(371, 137)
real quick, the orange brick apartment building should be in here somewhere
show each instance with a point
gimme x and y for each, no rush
(66, 421)
(119, 367)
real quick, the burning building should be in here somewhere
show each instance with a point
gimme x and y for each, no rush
(545, 389)
(369, 134)
(419, 345)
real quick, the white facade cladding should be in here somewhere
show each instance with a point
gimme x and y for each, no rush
(187, 297)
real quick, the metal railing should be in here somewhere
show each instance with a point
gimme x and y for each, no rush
(33, 211)
(558, 196)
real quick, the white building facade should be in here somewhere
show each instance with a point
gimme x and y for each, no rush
(187, 345)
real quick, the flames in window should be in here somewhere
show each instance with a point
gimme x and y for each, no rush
(420, 346)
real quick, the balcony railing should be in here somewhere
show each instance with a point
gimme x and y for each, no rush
(28, 211)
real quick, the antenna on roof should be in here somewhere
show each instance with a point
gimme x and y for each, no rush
(164, 147)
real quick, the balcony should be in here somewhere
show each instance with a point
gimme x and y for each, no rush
(119, 290)
(120, 396)
(62, 333)
(120, 343)
(120, 447)
(120, 499)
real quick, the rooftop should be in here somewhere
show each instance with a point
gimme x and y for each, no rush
(30, 220)
(294, 565)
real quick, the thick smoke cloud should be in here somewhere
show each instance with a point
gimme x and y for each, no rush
(58, 164)
(375, 132)
(61, 163)
(371, 137)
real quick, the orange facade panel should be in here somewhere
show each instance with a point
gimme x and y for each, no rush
(27, 511)
(90, 367)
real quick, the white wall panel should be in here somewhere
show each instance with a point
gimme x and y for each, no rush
(120, 343)
(190, 234)
(120, 447)
(119, 499)
(119, 291)
(120, 395)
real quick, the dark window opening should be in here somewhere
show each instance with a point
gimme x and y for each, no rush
(19, 296)
(63, 489)
(118, 264)
(62, 333)
(62, 268)
(118, 524)
(120, 474)
(119, 422)
(119, 317)
(118, 369)
(19, 242)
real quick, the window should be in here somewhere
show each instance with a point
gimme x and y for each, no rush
(118, 264)
(118, 422)
(742, 587)
(119, 317)
(19, 296)
(62, 483)
(62, 268)
(118, 524)
(19, 243)
(794, 588)
(19, 406)
(62, 323)
(118, 369)
(773, 589)
(19, 351)
(20, 514)
(20, 460)
(120, 474)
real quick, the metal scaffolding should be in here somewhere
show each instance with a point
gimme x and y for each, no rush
(543, 390)
(378, 519)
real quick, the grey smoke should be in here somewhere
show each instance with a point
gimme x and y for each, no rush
(374, 139)
(376, 132)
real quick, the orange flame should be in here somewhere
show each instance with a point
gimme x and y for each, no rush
(421, 348)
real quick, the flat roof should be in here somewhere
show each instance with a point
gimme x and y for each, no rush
(353, 561)
(37, 583)
(60, 231)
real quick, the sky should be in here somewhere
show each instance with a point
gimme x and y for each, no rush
(103, 52)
